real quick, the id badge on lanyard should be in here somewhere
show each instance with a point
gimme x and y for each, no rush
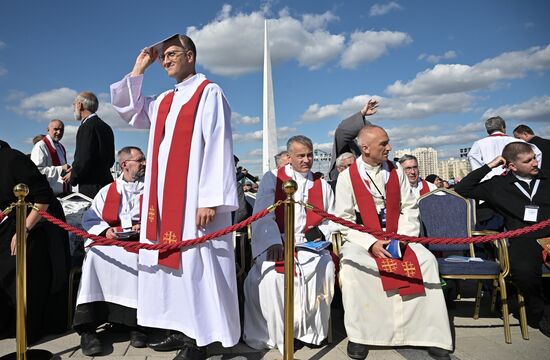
(531, 211)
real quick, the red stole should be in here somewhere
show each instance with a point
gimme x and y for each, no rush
(425, 188)
(403, 274)
(111, 207)
(175, 179)
(314, 197)
(53, 151)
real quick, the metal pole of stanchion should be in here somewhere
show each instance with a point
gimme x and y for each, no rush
(21, 353)
(21, 191)
(289, 188)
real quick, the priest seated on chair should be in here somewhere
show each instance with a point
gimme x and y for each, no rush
(108, 287)
(314, 270)
(390, 299)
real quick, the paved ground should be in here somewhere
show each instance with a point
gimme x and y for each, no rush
(481, 339)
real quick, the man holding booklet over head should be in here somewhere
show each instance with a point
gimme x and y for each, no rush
(390, 290)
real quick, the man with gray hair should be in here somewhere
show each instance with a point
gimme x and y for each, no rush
(485, 150)
(95, 147)
(314, 273)
(109, 283)
(281, 159)
(344, 161)
(419, 186)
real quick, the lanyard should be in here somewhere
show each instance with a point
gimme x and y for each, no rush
(535, 188)
(376, 187)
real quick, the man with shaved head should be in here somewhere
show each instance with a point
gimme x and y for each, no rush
(390, 298)
(190, 191)
(50, 157)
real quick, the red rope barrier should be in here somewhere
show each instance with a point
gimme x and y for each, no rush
(134, 245)
(380, 235)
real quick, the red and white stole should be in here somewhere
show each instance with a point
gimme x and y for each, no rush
(425, 188)
(53, 151)
(314, 197)
(175, 179)
(111, 207)
(402, 274)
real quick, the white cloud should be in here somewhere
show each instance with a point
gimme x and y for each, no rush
(434, 59)
(312, 22)
(368, 46)
(3, 71)
(326, 147)
(2, 44)
(283, 133)
(535, 109)
(57, 103)
(410, 107)
(383, 9)
(232, 44)
(455, 78)
(237, 118)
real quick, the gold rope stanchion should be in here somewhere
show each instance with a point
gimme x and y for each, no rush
(21, 191)
(289, 188)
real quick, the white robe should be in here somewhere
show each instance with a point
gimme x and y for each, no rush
(373, 316)
(485, 150)
(109, 273)
(415, 190)
(264, 287)
(200, 298)
(43, 160)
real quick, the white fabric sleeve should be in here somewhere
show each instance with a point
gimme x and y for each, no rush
(328, 227)
(130, 104)
(217, 184)
(39, 156)
(475, 157)
(91, 220)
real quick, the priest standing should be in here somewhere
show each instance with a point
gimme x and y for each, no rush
(50, 157)
(387, 301)
(190, 191)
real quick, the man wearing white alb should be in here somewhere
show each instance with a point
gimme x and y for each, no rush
(390, 299)
(190, 191)
(50, 157)
(314, 273)
(109, 285)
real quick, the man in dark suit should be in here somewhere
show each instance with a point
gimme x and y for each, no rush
(525, 133)
(95, 147)
(522, 196)
(346, 132)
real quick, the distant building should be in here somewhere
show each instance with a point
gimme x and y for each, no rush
(454, 168)
(427, 159)
(321, 161)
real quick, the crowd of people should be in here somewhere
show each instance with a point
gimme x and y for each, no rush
(191, 186)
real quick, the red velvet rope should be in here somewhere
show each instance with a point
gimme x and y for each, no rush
(381, 235)
(134, 245)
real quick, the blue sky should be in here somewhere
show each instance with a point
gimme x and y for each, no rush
(439, 68)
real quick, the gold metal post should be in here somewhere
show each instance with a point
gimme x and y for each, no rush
(289, 188)
(21, 353)
(21, 191)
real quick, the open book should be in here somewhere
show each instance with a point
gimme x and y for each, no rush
(313, 245)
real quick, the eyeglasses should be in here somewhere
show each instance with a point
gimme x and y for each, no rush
(141, 159)
(170, 55)
(411, 168)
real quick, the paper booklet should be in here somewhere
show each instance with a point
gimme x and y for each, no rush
(458, 258)
(313, 245)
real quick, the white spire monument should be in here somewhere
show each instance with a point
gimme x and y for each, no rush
(269, 149)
